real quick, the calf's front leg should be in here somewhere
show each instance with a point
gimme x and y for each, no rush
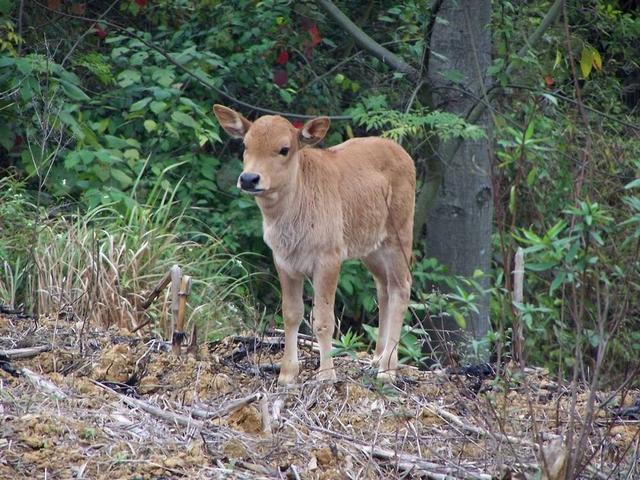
(292, 311)
(325, 281)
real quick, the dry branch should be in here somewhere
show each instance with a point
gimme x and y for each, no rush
(177, 418)
(42, 384)
(227, 409)
(162, 284)
(18, 353)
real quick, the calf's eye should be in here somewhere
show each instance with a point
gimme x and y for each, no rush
(284, 151)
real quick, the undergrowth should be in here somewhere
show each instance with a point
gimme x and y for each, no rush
(98, 265)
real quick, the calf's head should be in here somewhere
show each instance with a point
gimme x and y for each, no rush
(271, 146)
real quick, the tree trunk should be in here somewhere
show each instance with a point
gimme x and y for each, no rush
(458, 227)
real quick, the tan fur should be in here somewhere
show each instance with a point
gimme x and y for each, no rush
(321, 207)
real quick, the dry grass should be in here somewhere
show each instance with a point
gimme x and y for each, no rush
(98, 266)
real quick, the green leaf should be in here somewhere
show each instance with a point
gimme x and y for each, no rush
(184, 119)
(116, 142)
(140, 104)
(127, 78)
(597, 59)
(460, 320)
(512, 200)
(633, 184)
(559, 280)
(71, 160)
(586, 61)
(6, 6)
(285, 95)
(7, 61)
(556, 64)
(73, 92)
(124, 179)
(530, 128)
(6, 137)
(158, 107)
(132, 154)
(150, 125)
(454, 76)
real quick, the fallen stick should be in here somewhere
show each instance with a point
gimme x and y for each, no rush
(264, 413)
(227, 409)
(177, 418)
(17, 353)
(42, 384)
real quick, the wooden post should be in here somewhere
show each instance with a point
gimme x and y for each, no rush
(176, 280)
(180, 289)
(179, 308)
(517, 340)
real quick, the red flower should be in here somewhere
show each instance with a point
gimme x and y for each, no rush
(315, 35)
(548, 80)
(280, 77)
(141, 3)
(283, 57)
(298, 124)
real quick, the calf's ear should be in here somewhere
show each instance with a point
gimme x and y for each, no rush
(314, 130)
(232, 122)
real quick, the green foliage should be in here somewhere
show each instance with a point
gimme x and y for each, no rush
(348, 344)
(373, 113)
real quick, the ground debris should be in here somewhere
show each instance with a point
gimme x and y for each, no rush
(123, 406)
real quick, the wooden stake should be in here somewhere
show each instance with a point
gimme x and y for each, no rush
(179, 308)
(517, 341)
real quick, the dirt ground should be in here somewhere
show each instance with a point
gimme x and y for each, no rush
(111, 404)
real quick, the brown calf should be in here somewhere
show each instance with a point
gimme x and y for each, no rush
(321, 207)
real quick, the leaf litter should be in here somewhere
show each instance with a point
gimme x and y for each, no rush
(111, 404)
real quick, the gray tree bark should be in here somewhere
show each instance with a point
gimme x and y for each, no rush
(459, 223)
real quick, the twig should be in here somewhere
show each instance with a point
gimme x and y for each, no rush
(153, 410)
(161, 285)
(264, 412)
(227, 409)
(42, 384)
(30, 352)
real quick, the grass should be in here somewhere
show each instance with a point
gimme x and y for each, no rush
(99, 265)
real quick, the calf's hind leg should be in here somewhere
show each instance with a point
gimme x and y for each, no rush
(398, 278)
(375, 264)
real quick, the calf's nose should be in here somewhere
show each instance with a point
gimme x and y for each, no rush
(249, 180)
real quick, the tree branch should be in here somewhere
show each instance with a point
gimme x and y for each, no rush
(368, 43)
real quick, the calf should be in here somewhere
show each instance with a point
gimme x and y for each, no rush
(321, 207)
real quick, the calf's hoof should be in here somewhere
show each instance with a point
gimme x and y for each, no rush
(387, 376)
(326, 375)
